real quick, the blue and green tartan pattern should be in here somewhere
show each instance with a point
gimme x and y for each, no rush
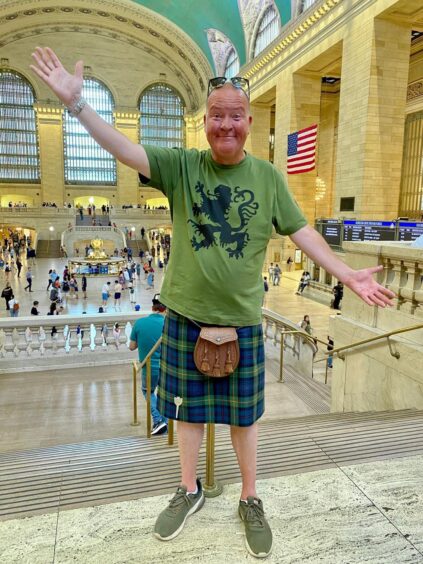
(237, 399)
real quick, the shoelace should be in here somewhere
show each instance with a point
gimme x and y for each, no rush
(179, 499)
(255, 514)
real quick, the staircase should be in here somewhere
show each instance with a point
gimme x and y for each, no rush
(92, 473)
(48, 249)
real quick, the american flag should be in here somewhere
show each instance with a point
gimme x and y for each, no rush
(302, 150)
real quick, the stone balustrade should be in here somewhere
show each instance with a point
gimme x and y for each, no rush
(383, 375)
(299, 352)
(37, 212)
(83, 232)
(138, 213)
(26, 340)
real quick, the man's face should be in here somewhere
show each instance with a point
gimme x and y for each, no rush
(227, 124)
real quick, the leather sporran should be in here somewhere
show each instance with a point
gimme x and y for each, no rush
(216, 352)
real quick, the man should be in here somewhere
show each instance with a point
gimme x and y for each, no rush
(145, 334)
(105, 294)
(276, 275)
(338, 292)
(223, 207)
(29, 280)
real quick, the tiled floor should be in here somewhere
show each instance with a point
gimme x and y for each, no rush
(355, 514)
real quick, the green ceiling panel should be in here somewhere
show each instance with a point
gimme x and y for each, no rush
(194, 17)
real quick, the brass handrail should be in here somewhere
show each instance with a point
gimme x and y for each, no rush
(372, 339)
(136, 369)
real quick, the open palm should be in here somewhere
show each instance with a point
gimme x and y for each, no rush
(48, 67)
(362, 283)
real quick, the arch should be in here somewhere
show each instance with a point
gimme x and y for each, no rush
(267, 29)
(85, 162)
(162, 116)
(20, 156)
(231, 64)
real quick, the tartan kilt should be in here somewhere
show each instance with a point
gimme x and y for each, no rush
(237, 399)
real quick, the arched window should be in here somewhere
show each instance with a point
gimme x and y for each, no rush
(162, 117)
(85, 161)
(268, 30)
(232, 64)
(19, 151)
(305, 4)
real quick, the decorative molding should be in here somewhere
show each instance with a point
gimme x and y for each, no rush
(287, 39)
(415, 90)
(120, 21)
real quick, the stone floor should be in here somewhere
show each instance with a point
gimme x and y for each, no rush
(352, 514)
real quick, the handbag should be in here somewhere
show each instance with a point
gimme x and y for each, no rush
(216, 351)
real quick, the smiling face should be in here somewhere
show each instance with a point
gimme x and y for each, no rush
(227, 124)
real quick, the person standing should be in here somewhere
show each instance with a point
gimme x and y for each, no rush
(84, 286)
(338, 292)
(29, 280)
(230, 275)
(14, 307)
(117, 293)
(144, 335)
(270, 271)
(19, 265)
(105, 294)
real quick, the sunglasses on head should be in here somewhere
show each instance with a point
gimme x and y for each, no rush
(236, 81)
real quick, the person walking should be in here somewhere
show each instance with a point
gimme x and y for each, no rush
(29, 280)
(7, 294)
(144, 335)
(230, 275)
(304, 282)
(276, 275)
(14, 307)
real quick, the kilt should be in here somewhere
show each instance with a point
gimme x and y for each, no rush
(237, 399)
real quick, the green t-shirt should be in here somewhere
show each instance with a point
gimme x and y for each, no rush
(222, 221)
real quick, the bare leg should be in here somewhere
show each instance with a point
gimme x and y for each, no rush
(244, 441)
(190, 437)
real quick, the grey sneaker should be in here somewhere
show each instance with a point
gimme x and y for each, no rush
(258, 536)
(171, 521)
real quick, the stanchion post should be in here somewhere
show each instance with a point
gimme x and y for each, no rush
(135, 421)
(212, 488)
(148, 398)
(281, 360)
(170, 425)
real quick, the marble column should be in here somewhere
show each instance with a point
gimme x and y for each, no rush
(127, 122)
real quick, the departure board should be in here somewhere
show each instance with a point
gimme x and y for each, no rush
(409, 231)
(369, 230)
(331, 231)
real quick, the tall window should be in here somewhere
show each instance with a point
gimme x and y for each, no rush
(85, 161)
(19, 152)
(232, 64)
(162, 117)
(268, 30)
(305, 4)
(411, 200)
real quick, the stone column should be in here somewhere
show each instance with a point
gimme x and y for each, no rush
(374, 78)
(127, 122)
(297, 107)
(50, 134)
(258, 141)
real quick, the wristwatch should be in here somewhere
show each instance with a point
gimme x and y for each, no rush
(77, 108)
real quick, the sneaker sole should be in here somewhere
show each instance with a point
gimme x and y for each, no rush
(193, 509)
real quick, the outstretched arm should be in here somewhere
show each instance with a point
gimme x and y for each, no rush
(68, 88)
(359, 281)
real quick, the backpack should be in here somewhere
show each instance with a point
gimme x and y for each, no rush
(15, 307)
(54, 294)
(65, 287)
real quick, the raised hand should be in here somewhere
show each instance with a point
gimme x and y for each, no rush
(362, 283)
(66, 86)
